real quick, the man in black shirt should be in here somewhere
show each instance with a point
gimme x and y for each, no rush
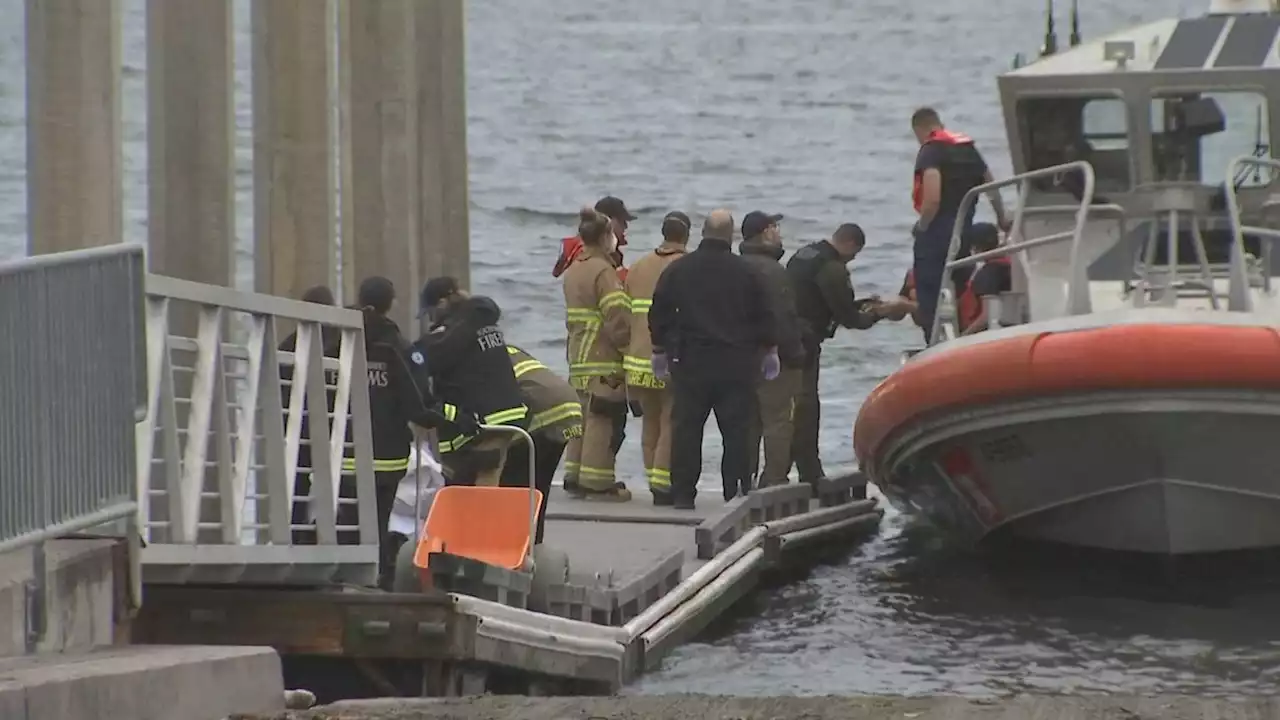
(710, 322)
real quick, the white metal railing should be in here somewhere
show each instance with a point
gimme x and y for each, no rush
(1077, 299)
(228, 418)
(1238, 296)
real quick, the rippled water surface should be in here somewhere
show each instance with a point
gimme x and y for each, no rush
(801, 108)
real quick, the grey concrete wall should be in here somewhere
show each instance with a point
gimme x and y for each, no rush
(74, 170)
(81, 597)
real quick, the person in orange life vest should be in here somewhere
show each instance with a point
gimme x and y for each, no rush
(619, 218)
(948, 165)
(992, 277)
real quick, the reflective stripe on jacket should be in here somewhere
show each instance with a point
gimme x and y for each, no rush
(557, 413)
(641, 281)
(597, 318)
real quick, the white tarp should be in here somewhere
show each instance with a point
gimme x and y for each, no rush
(417, 489)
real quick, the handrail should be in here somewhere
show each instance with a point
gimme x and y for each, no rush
(1078, 289)
(533, 471)
(1238, 297)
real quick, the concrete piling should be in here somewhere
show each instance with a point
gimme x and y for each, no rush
(74, 171)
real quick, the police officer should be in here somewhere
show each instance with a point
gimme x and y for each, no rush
(472, 374)
(652, 394)
(710, 324)
(948, 166)
(776, 399)
(824, 301)
(556, 420)
(398, 395)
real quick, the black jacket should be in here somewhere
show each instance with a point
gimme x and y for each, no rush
(764, 258)
(399, 389)
(331, 347)
(711, 312)
(470, 366)
(824, 294)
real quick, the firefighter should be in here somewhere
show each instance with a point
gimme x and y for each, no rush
(948, 166)
(598, 321)
(556, 420)
(652, 394)
(399, 394)
(470, 368)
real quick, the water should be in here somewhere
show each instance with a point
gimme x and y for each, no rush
(799, 108)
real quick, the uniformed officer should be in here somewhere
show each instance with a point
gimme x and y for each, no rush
(399, 393)
(710, 323)
(598, 324)
(824, 301)
(556, 420)
(652, 394)
(471, 371)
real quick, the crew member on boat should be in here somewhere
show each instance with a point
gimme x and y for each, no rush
(948, 165)
(643, 387)
(990, 279)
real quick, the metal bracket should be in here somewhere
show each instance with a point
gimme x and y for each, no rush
(36, 598)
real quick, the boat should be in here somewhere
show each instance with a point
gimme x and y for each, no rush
(1127, 393)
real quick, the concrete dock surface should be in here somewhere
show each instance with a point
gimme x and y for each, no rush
(708, 707)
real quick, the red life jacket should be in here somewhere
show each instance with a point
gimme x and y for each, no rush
(570, 247)
(968, 305)
(944, 137)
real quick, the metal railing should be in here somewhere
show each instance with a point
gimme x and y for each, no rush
(231, 419)
(1078, 299)
(1238, 296)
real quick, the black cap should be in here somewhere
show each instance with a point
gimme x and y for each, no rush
(376, 292)
(614, 208)
(757, 222)
(434, 291)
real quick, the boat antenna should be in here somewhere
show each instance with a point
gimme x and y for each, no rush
(1075, 23)
(1050, 34)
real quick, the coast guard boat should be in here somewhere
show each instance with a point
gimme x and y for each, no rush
(1127, 397)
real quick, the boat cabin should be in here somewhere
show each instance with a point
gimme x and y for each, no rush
(1159, 111)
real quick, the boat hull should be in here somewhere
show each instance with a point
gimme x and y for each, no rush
(1162, 439)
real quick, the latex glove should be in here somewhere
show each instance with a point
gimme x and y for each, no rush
(771, 366)
(661, 368)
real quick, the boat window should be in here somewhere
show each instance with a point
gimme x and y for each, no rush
(1194, 136)
(1064, 129)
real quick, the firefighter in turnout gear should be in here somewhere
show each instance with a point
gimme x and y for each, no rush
(598, 320)
(652, 394)
(556, 421)
(399, 394)
(472, 374)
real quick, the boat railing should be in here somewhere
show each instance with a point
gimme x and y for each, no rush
(1077, 287)
(1238, 296)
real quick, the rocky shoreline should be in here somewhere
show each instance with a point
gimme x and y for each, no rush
(864, 707)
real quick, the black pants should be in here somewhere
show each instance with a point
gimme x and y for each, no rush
(808, 418)
(697, 394)
(385, 486)
(547, 456)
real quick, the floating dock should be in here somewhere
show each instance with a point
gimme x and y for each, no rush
(640, 581)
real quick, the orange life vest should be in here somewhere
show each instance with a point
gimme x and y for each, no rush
(943, 137)
(968, 305)
(569, 249)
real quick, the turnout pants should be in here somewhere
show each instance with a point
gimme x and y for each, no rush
(697, 395)
(479, 462)
(590, 461)
(774, 423)
(655, 438)
(808, 417)
(547, 454)
(385, 486)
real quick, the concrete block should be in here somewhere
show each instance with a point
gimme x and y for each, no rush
(80, 600)
(143, 683)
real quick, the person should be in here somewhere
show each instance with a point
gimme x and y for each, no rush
(824, 301)
(652, 394)
(619, 220)
(556, 420)
(773, 422)
(713, 333)
(598, 323)
(471, 371)
(948, 165)
(331, 345)
(399, 392)
(991, 278)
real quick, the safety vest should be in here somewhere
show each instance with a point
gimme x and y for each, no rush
(597, 318)
(640, 285)
(968, 305)
(961, 172)
(557, 413)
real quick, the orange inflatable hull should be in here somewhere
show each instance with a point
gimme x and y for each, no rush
(1143, 356)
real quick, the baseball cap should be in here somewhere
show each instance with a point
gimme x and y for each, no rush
(376, 292)
(434, 291)
(756, 222)
(678, 216)
(614, 208)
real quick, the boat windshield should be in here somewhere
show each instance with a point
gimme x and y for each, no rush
(1058, 130)
(1195, 135)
